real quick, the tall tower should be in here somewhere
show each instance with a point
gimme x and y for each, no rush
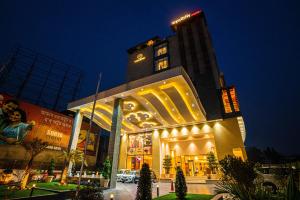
(198, 58)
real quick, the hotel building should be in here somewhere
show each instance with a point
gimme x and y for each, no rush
(175, 102)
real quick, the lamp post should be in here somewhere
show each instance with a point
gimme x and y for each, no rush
(111, 197)
(157, 190)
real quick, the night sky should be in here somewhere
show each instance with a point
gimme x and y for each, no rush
(256, 42)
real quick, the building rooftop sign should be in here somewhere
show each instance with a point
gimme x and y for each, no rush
(185, 17)
(140, 57)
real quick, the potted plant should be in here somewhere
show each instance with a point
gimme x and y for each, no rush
(50, 171)
(106, 171)
(167, 164)
(212, 164)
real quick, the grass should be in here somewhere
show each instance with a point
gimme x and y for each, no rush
(172, 196)
(16, 193)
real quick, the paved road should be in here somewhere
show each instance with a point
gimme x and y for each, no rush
(127, 191)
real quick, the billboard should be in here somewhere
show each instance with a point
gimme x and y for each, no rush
(21, 122)
(92, 145)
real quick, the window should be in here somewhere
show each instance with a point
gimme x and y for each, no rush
(161, 64)
(139, 150)
(160, 50)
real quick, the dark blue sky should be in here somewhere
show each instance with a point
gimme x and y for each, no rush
(256, 42)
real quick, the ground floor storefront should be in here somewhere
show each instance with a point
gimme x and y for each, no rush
(186, 146)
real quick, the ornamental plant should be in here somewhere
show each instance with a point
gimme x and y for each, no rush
(167, 164)
(51, 168)
(144, 188)
(106, 168)
(212, 162)
(180, 184)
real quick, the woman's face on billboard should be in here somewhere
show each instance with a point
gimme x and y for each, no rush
(15, 116)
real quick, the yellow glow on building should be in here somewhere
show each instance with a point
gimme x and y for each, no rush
(164, 103)
(206, 128)
(195, 130)
(174, 132)
(186, 98)
(156, 133)
(180, 19)
(165, 134)
(184, 131)
(140, 57)
(217, 126)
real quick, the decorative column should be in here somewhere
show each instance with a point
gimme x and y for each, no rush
(75, 134)
(114, 140)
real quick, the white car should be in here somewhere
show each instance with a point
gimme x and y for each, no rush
(130, 177)
(121, 173)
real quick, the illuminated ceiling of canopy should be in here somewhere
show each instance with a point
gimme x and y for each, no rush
(165, 99)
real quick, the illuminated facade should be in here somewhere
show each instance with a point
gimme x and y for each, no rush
(175, 102)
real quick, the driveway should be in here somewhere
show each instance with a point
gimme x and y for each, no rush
(127, 191)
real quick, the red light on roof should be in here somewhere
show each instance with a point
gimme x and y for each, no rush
(196, 13)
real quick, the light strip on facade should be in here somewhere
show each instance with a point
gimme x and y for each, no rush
(170, 112)
(184, 97)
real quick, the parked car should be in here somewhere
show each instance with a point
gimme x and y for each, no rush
(153, 178)
(121, 173)
(130, 177)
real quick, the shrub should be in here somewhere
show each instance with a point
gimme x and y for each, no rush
(51, 168)
(167, 164)
(144, 188)
(236, 170)
(180, 184)
(212, 162)
(106, 168)
(90, 192)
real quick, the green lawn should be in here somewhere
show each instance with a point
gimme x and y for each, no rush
(188, 197)
(15, 193)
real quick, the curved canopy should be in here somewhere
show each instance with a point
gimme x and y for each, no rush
(165, 99)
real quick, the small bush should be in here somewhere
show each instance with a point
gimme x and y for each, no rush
(144, 188)
(180, 184)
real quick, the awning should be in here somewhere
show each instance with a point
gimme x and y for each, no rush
(165, 99)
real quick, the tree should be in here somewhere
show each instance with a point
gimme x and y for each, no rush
(51, 168)
(180, 184)
(144, 188)
(239, 179)
(212, 162)
(255, 155)
(292, 191)
(167, 164)
(72, 156)
(272, 156)
(34, 147)
(106, 168)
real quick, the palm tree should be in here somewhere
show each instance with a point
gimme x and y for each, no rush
(72, 156)
(34, 147)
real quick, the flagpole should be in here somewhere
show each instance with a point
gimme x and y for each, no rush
(88, 134)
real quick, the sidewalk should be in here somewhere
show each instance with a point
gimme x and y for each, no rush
(127, 191)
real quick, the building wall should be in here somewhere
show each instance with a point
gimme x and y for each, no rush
(228, 137)
(123, 152)
(142, 68)
(156, 158)
(192, 147)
